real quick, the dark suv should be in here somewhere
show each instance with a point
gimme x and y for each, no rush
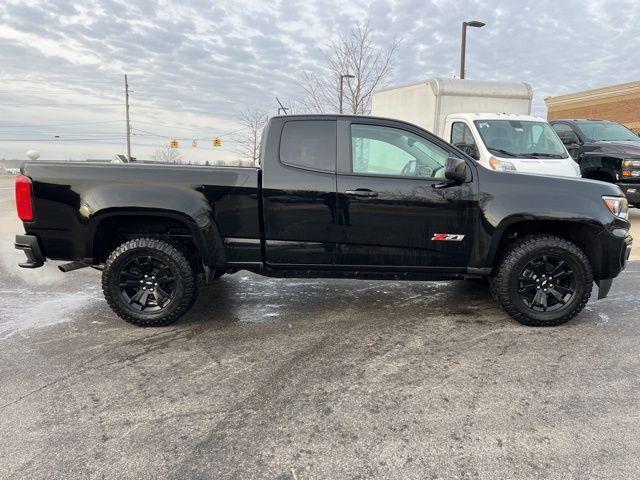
(605, 151)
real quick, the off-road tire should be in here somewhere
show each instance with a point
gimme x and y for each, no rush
(505, 282)
(174, 258)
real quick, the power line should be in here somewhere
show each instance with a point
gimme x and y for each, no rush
(65, 105)
(22, 125)
(174, 137)
(53, 140)
(56, 135)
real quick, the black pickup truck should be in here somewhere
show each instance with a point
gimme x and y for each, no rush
(605, 151)
(337, 196)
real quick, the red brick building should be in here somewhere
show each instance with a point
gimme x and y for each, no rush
(620, 103)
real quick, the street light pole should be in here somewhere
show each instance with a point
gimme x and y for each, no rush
(341, 93)
(463, 49)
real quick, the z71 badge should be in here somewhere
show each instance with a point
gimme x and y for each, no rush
(447, 237)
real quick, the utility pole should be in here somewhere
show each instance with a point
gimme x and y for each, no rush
(126, 99)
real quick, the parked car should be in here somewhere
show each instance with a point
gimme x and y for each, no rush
(337, 196)
(501, 134)
(605, 151)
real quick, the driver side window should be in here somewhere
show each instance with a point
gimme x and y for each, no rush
(378, 150)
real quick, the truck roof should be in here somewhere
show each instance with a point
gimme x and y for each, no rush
(331, 116)
(581, 120)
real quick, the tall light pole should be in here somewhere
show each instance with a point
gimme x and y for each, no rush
(463, 50)
(341, 94)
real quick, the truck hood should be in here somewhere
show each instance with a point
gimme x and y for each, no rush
(560, 167)
(528, 196)
(537, 183)
(629, 148)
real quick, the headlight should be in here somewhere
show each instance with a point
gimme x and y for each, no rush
(618, 206)
(631, 163)
(501, 165)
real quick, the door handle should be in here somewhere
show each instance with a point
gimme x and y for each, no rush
(361, 192)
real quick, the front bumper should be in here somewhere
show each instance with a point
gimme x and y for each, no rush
(604, 284)
(29, 245)
(632, 192)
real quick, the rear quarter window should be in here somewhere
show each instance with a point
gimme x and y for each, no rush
(309, 144)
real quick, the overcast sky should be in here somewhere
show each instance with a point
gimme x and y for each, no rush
(193, 64)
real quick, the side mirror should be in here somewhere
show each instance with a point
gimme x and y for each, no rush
(573, 149)
(469, 149)
(568, 141)
(455, 170)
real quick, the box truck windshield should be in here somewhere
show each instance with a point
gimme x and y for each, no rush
(520, 139)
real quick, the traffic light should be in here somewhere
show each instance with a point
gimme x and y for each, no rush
(174, 144)
(217, 142)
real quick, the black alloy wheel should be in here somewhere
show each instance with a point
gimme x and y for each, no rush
(547, 284)
(147, 284)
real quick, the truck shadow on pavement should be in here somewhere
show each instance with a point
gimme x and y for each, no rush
(245, 299)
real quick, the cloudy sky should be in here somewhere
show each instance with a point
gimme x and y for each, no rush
(194, 64)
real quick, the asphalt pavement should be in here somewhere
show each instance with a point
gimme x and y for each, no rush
(312, 379)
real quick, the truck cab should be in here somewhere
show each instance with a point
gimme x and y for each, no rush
(510, 143)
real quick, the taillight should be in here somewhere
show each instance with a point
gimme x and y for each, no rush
(24, 198)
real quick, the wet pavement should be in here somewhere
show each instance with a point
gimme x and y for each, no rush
(312, 379)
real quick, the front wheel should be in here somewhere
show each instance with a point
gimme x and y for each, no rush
(149, 282)
(543, 281)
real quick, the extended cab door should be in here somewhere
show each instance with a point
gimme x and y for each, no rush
(299, 191)
(391, 214)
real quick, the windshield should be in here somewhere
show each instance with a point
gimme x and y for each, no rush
(606, 132)
(521, 139)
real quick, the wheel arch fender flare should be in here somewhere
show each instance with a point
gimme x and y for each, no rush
(585, 234)
(204, 232)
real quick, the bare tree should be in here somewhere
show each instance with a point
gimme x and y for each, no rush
(248, 141)
(355, 53)
(168, 155)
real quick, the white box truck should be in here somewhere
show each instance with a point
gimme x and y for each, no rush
(490, 121)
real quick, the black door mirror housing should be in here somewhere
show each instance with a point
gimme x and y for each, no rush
(573, 149)
(470, 149)
(455, 170)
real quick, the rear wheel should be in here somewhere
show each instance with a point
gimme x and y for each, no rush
(149, 282)
(543, 281)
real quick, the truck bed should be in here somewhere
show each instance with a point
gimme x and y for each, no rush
(73, 199)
